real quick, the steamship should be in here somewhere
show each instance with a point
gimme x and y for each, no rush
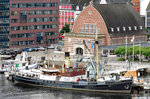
(74, 78)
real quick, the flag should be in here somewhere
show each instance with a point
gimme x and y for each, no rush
(127, 61)
(132, 39)
(92, 45)
(17, 65)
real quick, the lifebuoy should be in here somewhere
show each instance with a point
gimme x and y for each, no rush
(78, 79)
(54, 74)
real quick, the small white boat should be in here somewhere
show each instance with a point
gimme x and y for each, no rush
(17, 64)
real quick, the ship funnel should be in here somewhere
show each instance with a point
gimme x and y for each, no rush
(67, 59)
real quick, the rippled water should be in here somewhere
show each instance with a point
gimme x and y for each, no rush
(9, 90)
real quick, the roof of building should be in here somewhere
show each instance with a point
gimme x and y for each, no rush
(82, 3)
(75, 3)
(120, 16)
(148, 7)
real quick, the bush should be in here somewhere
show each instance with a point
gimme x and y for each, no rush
(121, 59)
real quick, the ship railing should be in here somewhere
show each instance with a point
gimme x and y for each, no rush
(36, 76)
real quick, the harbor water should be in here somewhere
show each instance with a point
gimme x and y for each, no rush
(10, 90)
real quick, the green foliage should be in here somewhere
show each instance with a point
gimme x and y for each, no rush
(146, 51)
(120, 51)
(121, 59)
(65, 29)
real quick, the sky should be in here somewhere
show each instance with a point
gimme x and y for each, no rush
(143, 6)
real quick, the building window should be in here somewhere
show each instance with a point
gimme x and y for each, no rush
(69, 39)
(141, 27)
(79, 41)
(77, 7)
(81, 30)
(94, 28)
(90, 28)
(118, 29)
(54, 11)
(86, 28)
(129, 28)
(14, 13)
(124, 28)
(14, 20)
(79, 51)
(69, 49)
(23, 17)
(112, 29)
(14, 5)
(135, 28)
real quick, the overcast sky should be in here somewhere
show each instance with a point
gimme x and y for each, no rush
(143, 6)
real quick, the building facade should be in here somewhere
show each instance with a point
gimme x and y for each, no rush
(147, 20)
(69, 10)
(4, 23)
(33, 22)
(111, 22)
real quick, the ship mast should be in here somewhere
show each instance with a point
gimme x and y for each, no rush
(97, 56)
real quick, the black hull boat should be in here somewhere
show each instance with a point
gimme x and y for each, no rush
(121, 86)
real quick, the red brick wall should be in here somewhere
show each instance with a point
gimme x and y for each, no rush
(84, 17)
(33, 23)
(96, 18)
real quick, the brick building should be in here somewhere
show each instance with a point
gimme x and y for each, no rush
(33, 22)
(69, 10)
(112, 22)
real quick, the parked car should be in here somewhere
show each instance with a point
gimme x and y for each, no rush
(3, 52)
(51, 47)
(27, 49)
(40, 48)
(18, 51)
(104, 55)
(34, 49)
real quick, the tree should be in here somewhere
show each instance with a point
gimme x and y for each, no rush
(120, 51)
(146, 51)
(65, 29)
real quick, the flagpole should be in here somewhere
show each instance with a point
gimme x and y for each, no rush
(126, 47)
(140, 52)
(133, 51)
(126, 52)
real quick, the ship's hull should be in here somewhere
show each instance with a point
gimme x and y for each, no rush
(112, 87)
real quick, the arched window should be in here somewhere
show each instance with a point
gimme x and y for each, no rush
(79, 51)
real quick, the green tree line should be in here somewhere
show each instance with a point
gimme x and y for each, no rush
(122, 51)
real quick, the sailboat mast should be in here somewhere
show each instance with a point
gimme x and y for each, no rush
(97, 56)
(126, 48)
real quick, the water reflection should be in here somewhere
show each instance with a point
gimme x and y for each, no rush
(9, 90)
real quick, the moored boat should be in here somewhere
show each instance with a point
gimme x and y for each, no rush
(74, 79)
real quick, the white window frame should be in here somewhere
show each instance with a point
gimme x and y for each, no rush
(129, 28)
(124, 28)
(69, 39)
(112, 29)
